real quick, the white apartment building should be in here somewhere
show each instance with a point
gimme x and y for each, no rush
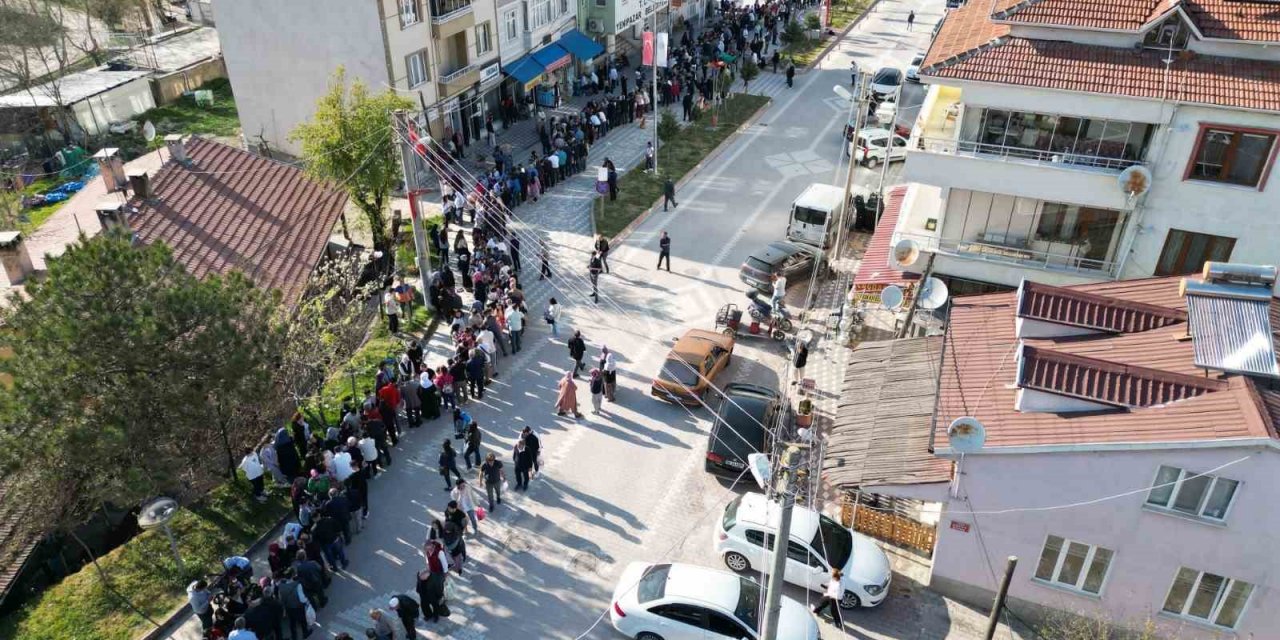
(542, 49)
(281, 56)
(1034, 110)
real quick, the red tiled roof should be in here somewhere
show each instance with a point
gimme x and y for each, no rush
(1225, 19)
(963, 30)
(1068, 66)
(1235, 20)
(874, 271)
(232, 210)
(1080, 309)
(980, 370)
(1107, 382)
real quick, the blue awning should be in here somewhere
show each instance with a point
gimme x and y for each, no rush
(524, 69)
(551, 57)
(582, 47)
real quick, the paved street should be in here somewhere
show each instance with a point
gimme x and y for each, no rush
(628, 485)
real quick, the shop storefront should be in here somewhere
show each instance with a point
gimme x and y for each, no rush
(546, 76)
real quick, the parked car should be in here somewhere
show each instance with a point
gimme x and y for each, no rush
(695, 359)
(741, 427)
(873, 146)
(688, 602)
(884, 85)
(817, 544)
(913, 71)
(793, 259)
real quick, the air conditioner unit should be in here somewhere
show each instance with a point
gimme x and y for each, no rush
(595, 25)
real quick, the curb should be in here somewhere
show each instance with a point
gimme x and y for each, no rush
(689, 175)
(840, 36)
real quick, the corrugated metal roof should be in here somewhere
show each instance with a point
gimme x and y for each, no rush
(1081, 309)
(1121, 385)
(1232, 334)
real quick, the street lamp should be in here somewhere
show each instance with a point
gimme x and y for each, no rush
(158, 513)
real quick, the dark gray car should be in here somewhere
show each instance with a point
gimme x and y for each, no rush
(792, 259)
(740, 429)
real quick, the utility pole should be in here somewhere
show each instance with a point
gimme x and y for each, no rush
(1000, 595)
(656, 98)
(773, 597)
(888, 151)
(402, 124)
(858, 109)
(915, 297)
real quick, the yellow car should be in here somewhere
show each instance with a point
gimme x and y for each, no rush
(697, 357)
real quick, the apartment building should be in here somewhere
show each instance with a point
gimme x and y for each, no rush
(1075, 141)
(281, 57)
(1125, 450)
(543, 51)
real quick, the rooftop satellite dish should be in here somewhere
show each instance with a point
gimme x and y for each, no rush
(933, 294)
(905, 253)
(966, 434)
(1135, 181)
(148, 131)
(891, 297)
(760, 468)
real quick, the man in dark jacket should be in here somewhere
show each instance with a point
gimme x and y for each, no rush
(294, 600)
(472, 438)
(328, 532)
(311, 577)
(534, 445)
(339, 506)
(669, 194)
(407, 609)
(577, 351)
(263, 616)
(476, 373)
(594, 266)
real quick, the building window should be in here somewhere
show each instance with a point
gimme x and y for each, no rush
(510, 25)
(1074, 565)
(1192, 493)
(416, 64)
(1232, 156)
(410, 13)
(1203, 596)
(1090, 229)
(484, 38)
(1186, 252)
(539, 13)
(602, 3)
(1173, 33)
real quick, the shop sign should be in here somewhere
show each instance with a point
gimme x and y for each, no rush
(529, 86)
(490, 72)
(635, 11)
(433, 114)
(962, 527)
(558, 64)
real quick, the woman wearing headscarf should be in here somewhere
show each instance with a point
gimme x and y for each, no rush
(597, 390)
(610, 377)
(286, 453)
(567, 398)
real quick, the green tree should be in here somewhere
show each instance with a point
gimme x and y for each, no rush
(750, 71)
(668, 127)
(812, 22)
(793, 34)
(129, 378)
(349, 141)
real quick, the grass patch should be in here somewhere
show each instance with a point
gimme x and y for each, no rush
(842, 14)
(638, 190)
(185, 117)
(224, 522)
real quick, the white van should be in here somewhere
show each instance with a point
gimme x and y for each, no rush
(815, 215)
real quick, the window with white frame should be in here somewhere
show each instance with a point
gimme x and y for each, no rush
(1074, 565)
(1207, 597)
(484, 38)
(410, 12)
(1193, 494)
(510, 25)
(416, 66)
(539, 13)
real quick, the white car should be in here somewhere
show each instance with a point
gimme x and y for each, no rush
(913, 71)
(872, 146)
(884, 85)
(688, 602)
(817, 543)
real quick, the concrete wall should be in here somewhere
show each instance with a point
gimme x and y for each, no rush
(167, 88)
(281, 56)
(1149, 546)
(121, 103)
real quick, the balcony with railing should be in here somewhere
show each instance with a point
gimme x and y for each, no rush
(1042, 155)
(451, 16)
(461, 77)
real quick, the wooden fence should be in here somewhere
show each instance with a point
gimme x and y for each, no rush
(891, 527)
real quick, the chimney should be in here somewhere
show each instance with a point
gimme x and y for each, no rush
(140, 184)
(111, 166)
(14, 257)
(113, 214)
(177, 148)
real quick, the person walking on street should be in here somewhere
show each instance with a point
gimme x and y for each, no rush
(610, 373)
(664, 251)
(597, 391)
(602, 248)
(911, 19)
(545, 270)
(524, 465)
(491, 477)
(802, 358)
(669, 194)
(567, 396)
(462, 495)
(577, 351)
(515, 326)
(472, 438)
(535, 445)
(431, 582)
(594, 267)
(831, 597)
(775, 59)
(407, 610)
(791, 74)
(449, 464)
(613, 179)
(552, 317)
(294, 600)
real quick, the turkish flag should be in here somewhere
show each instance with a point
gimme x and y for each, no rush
(647, 56)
